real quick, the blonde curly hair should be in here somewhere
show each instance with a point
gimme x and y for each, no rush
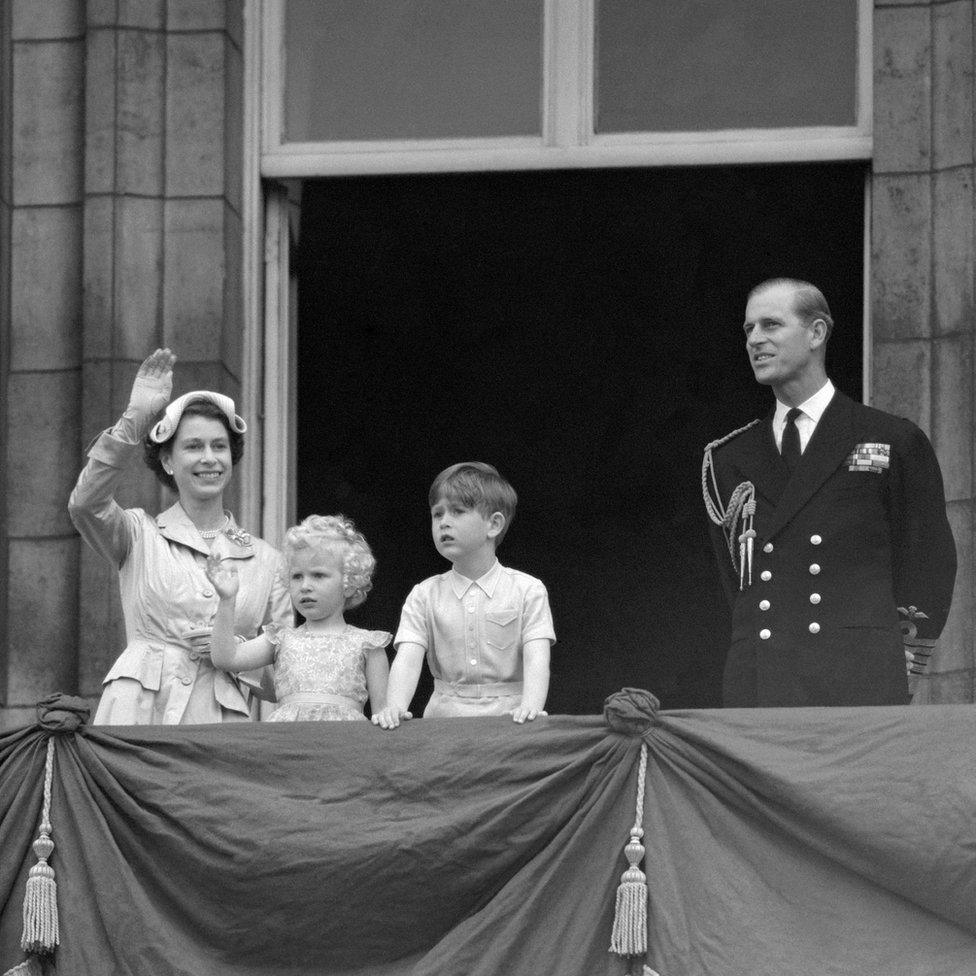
(339, 535)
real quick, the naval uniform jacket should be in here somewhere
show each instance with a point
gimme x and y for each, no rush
(839, 547)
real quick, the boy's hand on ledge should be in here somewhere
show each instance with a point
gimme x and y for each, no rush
(526, 713)
(389, 717)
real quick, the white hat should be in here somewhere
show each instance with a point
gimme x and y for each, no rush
(166, 427)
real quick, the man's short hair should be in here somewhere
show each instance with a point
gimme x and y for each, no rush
(476, 485)
(808, 300)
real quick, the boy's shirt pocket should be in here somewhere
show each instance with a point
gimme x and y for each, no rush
(502, 627)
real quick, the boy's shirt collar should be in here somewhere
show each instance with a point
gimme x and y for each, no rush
(461, 584)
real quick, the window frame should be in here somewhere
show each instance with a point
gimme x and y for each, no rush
(269, 326)
(567, 139)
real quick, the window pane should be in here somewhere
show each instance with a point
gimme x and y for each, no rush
(697, 65)
(412, 69)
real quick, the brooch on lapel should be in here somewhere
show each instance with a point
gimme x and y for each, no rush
(238, 536)
(869, 457)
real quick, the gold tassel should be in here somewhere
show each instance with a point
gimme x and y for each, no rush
(629, 936)
(41, 897)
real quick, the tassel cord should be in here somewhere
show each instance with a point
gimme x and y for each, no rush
(48, 785)
(641, 780)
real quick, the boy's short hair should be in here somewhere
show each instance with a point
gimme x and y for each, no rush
(338, 534)
(476, 485)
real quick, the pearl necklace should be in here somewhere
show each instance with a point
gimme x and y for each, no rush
(212, 534)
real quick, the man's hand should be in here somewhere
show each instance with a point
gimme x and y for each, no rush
(917, 657)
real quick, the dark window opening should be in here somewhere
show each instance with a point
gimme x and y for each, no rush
(581, 331)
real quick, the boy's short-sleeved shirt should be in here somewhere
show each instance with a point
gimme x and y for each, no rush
(474, 630)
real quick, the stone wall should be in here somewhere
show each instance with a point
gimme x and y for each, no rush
(922, 272)
(42, 161)
(120, 191)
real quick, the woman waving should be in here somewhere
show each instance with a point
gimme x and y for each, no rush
(164, 675)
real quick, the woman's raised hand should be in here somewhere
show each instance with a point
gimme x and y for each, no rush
(223, 574)
(153, 384)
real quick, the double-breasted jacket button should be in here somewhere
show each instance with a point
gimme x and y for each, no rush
(765, 634)
(815, 540)
(814, 598)
(814, 569)
(768, 547)
(764, 604)
(765, 575)
(207, 593)
(814, 628)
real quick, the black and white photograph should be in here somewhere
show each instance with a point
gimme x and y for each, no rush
(489, 487)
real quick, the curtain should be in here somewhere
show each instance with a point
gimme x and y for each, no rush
(779, 841)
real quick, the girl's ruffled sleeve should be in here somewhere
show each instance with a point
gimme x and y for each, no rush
(375, 639)
(274, 633)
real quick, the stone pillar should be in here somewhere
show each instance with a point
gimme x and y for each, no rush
(120, 230)
(162, 234)
(41, 176)
(922, 272)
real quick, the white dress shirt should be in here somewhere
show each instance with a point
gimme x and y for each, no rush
(811, 411)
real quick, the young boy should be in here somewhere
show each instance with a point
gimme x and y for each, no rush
(485, 629)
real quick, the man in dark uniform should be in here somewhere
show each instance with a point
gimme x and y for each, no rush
(830, 527)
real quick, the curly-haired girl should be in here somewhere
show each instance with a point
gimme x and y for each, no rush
(324, 669)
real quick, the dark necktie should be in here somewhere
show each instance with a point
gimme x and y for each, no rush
(791, 440)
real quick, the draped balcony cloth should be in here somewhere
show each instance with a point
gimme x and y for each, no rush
(836, 842)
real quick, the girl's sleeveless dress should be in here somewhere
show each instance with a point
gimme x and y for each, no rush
(321, 677)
